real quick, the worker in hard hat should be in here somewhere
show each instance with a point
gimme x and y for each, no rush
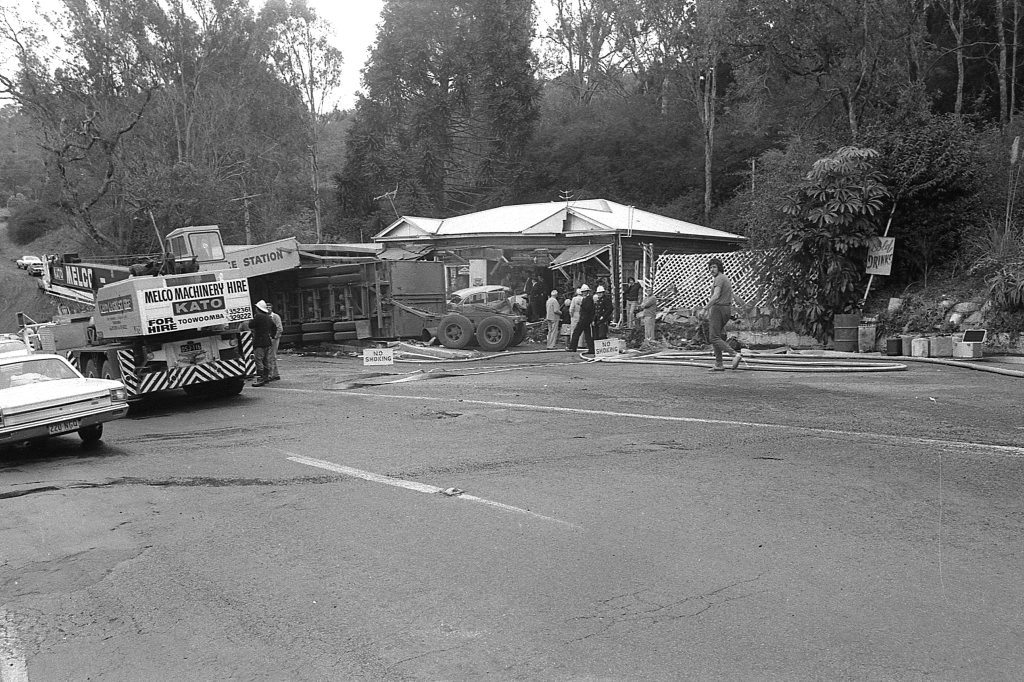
(263, 333)
(584, 325)
(553, 316)
(602, 313)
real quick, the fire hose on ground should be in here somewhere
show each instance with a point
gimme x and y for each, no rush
(784, 360)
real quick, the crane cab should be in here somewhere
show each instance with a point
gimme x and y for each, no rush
(201, 243)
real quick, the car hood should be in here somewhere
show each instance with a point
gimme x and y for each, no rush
(56, 392)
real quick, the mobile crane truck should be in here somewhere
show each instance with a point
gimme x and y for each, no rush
(153, 332)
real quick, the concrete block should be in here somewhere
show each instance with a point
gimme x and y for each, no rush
(919, 347)
(940, 346)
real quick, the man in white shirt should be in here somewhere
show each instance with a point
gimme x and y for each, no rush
(274, 342)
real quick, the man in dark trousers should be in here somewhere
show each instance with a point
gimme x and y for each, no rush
(263, 332)
(631, 294)
(584, 324)
(602, 313)
(718, 311)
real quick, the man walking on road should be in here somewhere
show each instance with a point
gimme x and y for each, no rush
(553, 316)
(263, 332)
(275, 375)
(718, 311)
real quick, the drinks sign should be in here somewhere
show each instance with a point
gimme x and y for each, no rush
(880, 256)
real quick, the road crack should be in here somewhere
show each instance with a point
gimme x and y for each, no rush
(189, 482)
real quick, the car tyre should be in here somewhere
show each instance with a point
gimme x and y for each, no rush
(90, 434)
(494, 333)
(455, 331)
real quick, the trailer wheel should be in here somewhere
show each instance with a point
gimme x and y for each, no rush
(90, 434)
(494, 333)
(455, 331)
(518, 334)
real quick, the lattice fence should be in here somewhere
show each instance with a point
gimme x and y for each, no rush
(690, 274)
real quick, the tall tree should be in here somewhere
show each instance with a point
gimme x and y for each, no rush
(450, 105)
(306, 60)
(86, 97)
(585, 51)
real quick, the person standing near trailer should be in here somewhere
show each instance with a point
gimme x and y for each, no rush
(263, 332)
(275, 374)
(554, 318)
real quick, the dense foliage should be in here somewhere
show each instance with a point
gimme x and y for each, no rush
(448, 111)
(171, 112)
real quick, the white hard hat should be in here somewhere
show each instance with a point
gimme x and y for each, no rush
(262, 305)
(584, 287)
(600, 290)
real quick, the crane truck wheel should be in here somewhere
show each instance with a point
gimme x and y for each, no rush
(455, 331)
(93, 368)
(494, 333)
(111, 370)
(518, 334)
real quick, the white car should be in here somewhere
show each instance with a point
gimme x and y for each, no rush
(11, 345)
(488, 297)
(43, 395)
(26, 261)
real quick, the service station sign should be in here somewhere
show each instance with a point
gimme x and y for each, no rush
(263, 259)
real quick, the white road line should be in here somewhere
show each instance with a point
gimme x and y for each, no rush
(13, 667)
(1012, 451)
(412, 485)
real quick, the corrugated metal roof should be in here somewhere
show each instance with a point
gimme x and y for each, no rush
(579, 254)
(584, 217)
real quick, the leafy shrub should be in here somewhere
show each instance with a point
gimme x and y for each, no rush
(830, 220)
(1006, 287)
(28, 223)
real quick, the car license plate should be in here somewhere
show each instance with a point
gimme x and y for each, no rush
(64, 427)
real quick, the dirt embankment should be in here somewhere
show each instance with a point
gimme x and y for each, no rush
(19, 291)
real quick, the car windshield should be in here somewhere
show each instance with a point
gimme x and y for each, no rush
(34, 370)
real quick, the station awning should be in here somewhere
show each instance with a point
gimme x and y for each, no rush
(579, 254)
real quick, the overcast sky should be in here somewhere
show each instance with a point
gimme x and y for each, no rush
(355, 24)
(355, 28)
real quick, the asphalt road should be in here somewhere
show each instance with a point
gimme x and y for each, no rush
(617, 522)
